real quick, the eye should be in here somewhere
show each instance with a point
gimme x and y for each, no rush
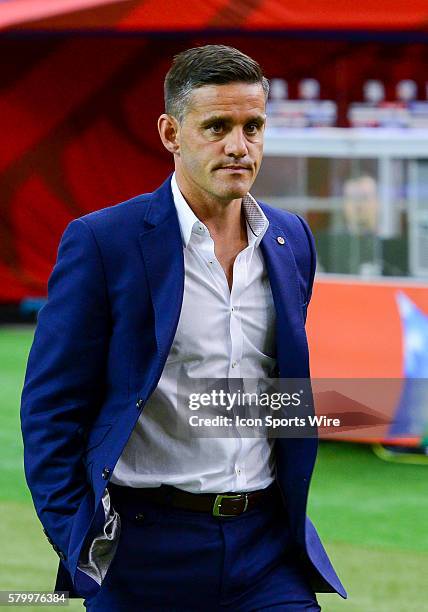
(252, 128)
(216, 128)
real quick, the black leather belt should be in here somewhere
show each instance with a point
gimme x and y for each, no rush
(221, 505)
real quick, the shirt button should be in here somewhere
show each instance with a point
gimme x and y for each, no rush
(234, 364)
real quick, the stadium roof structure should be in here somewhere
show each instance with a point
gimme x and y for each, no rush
(191, 15)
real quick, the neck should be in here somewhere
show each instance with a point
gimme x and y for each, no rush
(223, 218)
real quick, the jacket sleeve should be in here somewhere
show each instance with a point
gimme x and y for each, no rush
(64, 382)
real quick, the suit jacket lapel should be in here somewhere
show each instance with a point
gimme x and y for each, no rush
(292, 350)
(162, 250)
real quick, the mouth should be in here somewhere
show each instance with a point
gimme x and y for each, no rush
(235, 168)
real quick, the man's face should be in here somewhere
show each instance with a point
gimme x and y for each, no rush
(221, 140)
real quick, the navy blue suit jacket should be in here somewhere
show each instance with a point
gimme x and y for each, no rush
(101, 342)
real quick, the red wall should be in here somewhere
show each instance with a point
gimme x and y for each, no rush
(78, 124)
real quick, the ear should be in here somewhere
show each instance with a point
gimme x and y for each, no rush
(169, 132)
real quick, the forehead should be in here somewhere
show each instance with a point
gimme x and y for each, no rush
(232, 98)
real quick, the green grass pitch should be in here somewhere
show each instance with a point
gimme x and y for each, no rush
(371, 515)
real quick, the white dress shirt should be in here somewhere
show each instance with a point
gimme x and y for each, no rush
(221, 333)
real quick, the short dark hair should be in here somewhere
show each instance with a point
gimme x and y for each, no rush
(207, 65)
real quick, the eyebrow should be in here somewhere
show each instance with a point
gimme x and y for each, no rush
(258, 119)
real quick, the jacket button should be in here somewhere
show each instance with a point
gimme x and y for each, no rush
(139, 517)
(106, 473)
(61, 555)
(140, 403)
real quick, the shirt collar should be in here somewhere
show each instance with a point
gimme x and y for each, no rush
(186, 216)
(257, 222)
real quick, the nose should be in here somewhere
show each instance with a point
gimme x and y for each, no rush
(236, 145)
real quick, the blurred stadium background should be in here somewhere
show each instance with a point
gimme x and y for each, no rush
(346, 147)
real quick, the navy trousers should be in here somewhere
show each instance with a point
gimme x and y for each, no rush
(175, 560)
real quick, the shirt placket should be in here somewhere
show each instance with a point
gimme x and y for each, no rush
(205, 247)
(236, 370)
(235, 321)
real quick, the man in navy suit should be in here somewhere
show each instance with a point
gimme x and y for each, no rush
(196, 280)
